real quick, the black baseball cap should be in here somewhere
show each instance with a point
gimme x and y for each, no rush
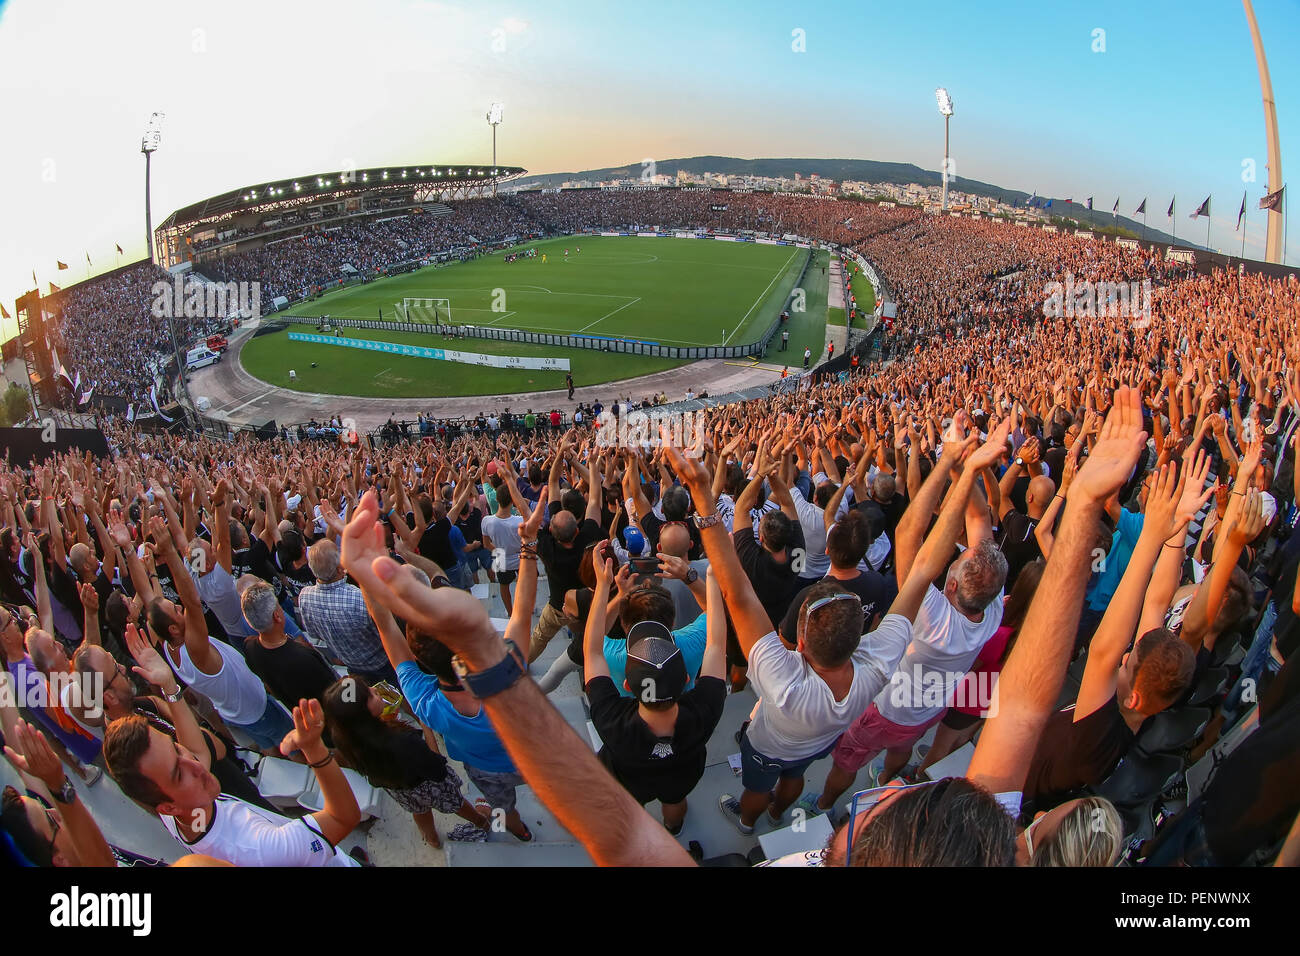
(656, 670)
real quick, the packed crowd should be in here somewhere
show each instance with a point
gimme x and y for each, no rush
(1065, 546)
(109, 332)
(293, 267)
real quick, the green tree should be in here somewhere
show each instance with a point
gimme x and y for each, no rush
(17, 405)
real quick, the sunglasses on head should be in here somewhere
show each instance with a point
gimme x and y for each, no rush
(865, 800)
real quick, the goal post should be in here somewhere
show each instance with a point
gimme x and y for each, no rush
(433, 311)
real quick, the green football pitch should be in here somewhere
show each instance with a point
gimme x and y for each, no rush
(669, 291)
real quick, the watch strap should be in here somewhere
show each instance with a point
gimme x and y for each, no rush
(707, 521)
(66, 793)
(502, 675)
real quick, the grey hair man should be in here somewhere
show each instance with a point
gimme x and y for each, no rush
(333, 611)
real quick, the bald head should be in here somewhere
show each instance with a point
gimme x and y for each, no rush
(674, 539)
(1039, 495)
(564, 527)
(82, 559)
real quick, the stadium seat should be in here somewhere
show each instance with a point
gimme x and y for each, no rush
(369, 799)
(1172, 730)
(1210, 686)
(282, 782)
(1139, 779)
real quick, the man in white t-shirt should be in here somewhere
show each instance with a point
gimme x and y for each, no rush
(501, 538)
(810, 694)
(211, 667)
(173, 777)
(952, 628)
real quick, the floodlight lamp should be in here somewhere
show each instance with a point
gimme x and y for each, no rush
(944, 101)
(494, 114)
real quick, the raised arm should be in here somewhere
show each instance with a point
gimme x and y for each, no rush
(560, 767)
(747, 613)
(1115, 632)
(205, 656)
(593, 637)
(1031, 680)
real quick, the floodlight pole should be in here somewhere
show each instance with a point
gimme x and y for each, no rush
(148, 224)
(947, 117)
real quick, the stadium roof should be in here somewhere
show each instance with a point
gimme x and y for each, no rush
(337, 184)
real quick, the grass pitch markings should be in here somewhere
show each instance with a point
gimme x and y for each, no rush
(780, 272)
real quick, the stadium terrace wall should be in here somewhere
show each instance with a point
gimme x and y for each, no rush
(592, 342)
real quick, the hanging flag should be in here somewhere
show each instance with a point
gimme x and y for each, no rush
(1142, 209)
(1202, 210)
(54, 288)
(1070, 201)
(1242, 213)
(1170, 213)
(1272, 200)
(4, 314)
(153, 398)
(119, 250)
(1089, 204)
(34, 282)
(87, 258)
(61, 265)
(86, 396)
(130, 412)
(63, 374)
(1048, 204)
(1115, 211)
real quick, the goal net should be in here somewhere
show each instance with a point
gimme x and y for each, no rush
(432, 311)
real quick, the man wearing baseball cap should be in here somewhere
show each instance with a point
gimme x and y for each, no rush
(654, 742)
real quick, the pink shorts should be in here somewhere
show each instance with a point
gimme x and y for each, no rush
(872, 733)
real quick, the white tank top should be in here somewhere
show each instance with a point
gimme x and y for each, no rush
(235, 691)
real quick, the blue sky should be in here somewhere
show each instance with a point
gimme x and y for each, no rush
(255, 91)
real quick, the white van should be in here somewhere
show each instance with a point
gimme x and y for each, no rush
(200, 357)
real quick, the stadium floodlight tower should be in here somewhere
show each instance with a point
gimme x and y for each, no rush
(945, 107)
(494, 120)
(149, 145)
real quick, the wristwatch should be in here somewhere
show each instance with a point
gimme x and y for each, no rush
(692, 576)
(1020, 461)
(707, 521)
(502, 675)
(65, 794)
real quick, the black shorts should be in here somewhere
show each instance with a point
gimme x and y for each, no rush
(506, 578)
(672, 788)
(954, 719)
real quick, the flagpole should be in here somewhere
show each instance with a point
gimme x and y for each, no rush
(1207, 230)
(1245, 227)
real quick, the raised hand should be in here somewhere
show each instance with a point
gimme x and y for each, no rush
(1117, 449)
(308, 724)
(149, 663)
(1248, 522)
(1194, 494)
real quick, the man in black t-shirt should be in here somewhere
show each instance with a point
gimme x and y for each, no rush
(655, 742)
(291, 670)
(560, 547)
(846, 545)
(1016, 538)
